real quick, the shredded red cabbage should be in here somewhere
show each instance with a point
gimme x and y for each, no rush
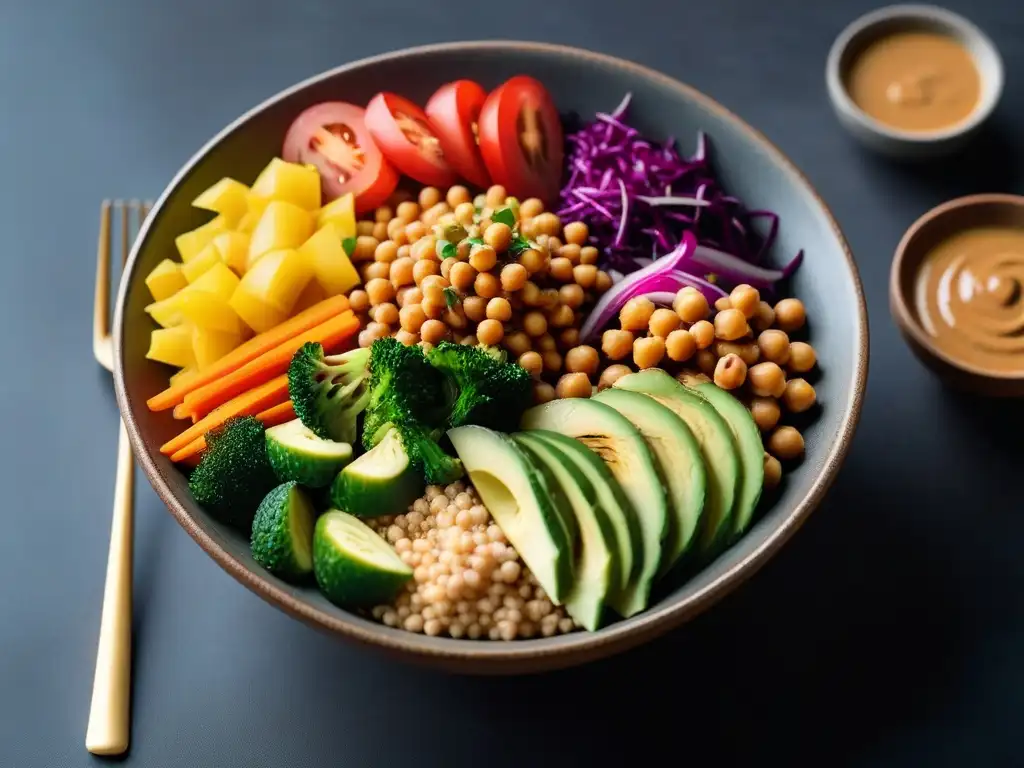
(638, 197)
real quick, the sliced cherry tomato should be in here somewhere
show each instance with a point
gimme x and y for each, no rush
(454, 111)
(405, 136)
(521, 139)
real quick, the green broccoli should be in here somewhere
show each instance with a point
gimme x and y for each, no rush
(486, 389)
(329, 393)
(408, 394)
(234, 474)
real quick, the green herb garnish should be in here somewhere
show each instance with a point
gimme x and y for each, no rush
(476, 241)
(504, 216)
(449, 251)
(451, 297)
(519, 244)
(349, 244)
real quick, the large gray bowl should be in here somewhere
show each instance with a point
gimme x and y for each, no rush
(583, 82)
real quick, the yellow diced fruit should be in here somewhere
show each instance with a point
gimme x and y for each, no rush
(205, 260)
(218, 279)
(209, 311)
(192, 242)
(234, 249)
(282, 225)
(167, 312)
(340, 212)
(311, 295)
(290, 182)
(165, 280)
(180, 376)
(210, 346)
(278, 278)
(172, 346)
(330, 264)
(248, 222)
(255, 312)
(228, 197)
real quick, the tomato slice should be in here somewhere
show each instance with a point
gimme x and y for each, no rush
(454, 111)
(406, 138)
(333, 137)
(521, 139)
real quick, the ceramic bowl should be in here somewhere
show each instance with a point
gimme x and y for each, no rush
(583, 82)
(911, 145)
(938, 223)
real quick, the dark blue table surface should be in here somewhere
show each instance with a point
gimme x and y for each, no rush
(888, 632)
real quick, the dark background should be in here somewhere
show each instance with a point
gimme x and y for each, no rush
(888, 632)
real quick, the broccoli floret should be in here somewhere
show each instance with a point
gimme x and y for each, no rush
(234, 474)
(329, 393)
(487, 390)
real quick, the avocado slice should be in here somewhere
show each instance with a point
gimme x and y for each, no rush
(610, 435)
(682, 464)
(748, 445)
(716, 445)
(595, 564)
(521, 501)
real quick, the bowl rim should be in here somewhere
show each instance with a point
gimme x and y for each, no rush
(534, 654)
(958, 26)
(901, 304)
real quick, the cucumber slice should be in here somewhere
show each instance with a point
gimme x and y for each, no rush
(296, 453)
(282, 533)
(380, 482)
(353, 565)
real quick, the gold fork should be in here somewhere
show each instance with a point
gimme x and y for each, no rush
(107, 733)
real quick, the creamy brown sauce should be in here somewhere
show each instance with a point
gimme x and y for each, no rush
(969, 297)
(915, 81)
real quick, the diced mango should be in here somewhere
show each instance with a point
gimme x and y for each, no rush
(234, 249)
(228, 197)
(218, 279)
(172, 346)
(330, 264)
(290, 182)
(282, 225)
(203, 261)
(167, 312)
(340, 212)
(210, 346)
(248, 222)
(311, 295)
(165, 280)
(278, 278)
(192, 242)
(209, 311)
(255, 312)
(180, 376)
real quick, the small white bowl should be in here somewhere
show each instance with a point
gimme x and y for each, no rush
(893, 141)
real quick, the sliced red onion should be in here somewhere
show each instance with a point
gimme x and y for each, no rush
(673, 200)
(732, 268)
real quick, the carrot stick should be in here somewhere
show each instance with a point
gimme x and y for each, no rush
(250, 350)
(278, 414)
(273, 392)
(272, 363)
(181, 411)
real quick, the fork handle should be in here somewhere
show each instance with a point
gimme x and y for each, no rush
(107, 733)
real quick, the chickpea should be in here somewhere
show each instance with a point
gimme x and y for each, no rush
(423, 269)
(475, 308)
(483, 258)
(603, 281)
(581, 359)
(547, 224)
(364, 228)
(518, 343)
(530, 294)
(408, 295)
(569, 338)
(767, 379)
(386, 252)
(380, 231)
(534, 261)
(553, 244)
(446, 267)
(543, 392)
(526, 226)
(513, 277)
(730, 324)
(691, 305)
(552, 361)
(457, 195)
(358, 300)
(531, 207)
(786, 443)
(407, 338)
(461, 276)
(433, 287)
(402, 272)
(379, 290)
(589, 254)
(798, 396)
(561, 269)
(766, 412)
(616, 344)
(396, 232)
(429, 196)
(424, 248)
(801, 357)
(706, 361)
(648, 351)
(415, 230)
(412, 317)
(468, 341)
(365, 247)
(490, 332)
(765, 316)
(772, 471)
(546, 343)
(383, 214)
(407, 212)
(680, 345)
(532, 362)
(663, 322)
(375, 269)
(730, 371)
(573, 385)
(386, 313)
(722, 304)
(611, 374)
(462, 250)
(487, 285)
(703, 333)
(455, 318)
(570, 251)
(745, 298)
(748, 353)
(498, 236)
(405, 251)
(585, 275)
(571, 295)
(576, 232)
(774, 346)
(790, 314)
(495, 196)
(636, 314)
(561, 316)
(535, 324)
(433, 308)
(498, 309)
(433, 331)
(464, 213)
(372, 332)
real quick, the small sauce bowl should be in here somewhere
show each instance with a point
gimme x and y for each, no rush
(924, 235)
(895, 142)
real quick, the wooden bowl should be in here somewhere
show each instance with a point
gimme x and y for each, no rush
(580, 81)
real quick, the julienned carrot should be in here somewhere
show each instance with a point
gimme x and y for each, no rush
(250, 350)
(191, 453)
(272, 363)
(273, 392)
(181, 411)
